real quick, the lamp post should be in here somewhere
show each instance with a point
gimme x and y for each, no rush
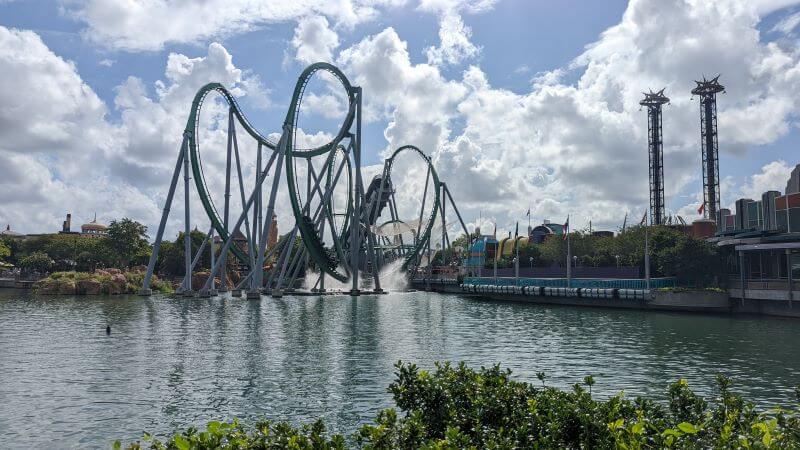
(516, 271)
(441, 256)
(617, 258)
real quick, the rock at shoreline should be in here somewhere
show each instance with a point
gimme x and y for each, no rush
(89, 287)
(46, 287)
(108, 281)
(199, 279)
(66, 287)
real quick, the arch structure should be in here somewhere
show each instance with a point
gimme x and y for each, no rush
(335, 232)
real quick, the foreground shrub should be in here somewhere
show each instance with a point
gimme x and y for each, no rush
(458, 407)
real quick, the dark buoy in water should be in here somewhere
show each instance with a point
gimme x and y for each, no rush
(108, 329)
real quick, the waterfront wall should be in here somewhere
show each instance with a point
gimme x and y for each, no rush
(667, 300)
(12, 283)
(766, 306)
(694, 301)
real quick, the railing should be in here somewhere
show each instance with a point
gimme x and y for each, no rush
(589, 283)
(442, 281)
(775, 284)
(541, 291)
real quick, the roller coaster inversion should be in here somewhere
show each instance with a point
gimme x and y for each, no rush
(345, 230)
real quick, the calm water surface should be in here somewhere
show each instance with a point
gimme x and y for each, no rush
(171, 363)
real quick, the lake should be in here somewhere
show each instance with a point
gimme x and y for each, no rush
(171, 363)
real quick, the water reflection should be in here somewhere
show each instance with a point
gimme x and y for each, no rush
(169, 363)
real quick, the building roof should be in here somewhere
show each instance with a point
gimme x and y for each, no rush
(550, 228)
(94, 225)
(9, 232)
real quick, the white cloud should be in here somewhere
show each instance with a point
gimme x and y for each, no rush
(314, 40)
(328, 105)
(152, 125)
(581, 148)
(589, 139)
(44, 104)
(416, 99)
(137, 26)
(454, 36)
(773, 177)
(455, 45)
(36, 201)
(562, 147)
(470, 6)
(787, 24)
(107, 62)
(54, 136)
(60, 154)
(770, 177)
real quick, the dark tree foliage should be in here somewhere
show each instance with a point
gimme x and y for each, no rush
(124, 246)
(5, 251)
(693, 261)
(128, 239)
(37, 262)
(171, 255)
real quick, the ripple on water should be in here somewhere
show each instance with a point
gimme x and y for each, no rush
(170, 363)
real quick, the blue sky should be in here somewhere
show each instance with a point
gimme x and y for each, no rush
(518, 102)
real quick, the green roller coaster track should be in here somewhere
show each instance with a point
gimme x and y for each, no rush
(323, 257)
(411, 258)
(331, 261)
(192, 132)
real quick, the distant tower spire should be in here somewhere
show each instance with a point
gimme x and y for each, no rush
(655, 151)
(708, 90)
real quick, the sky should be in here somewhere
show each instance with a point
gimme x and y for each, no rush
(521, 104)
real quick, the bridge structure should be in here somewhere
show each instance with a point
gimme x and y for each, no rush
(341, 230)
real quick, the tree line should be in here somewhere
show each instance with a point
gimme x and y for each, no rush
(695, 262)
(124, 246)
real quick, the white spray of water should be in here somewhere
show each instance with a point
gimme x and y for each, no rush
(331, 284)
(392, 278)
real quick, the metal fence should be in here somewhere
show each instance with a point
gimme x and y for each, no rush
(597, 283)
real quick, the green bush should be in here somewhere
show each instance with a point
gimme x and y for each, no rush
(458, 407)
(131, 285)
(37, 261)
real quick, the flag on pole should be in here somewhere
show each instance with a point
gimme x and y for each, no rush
(516, 232)
(566, 229)
(494, 235)
(529, 212)
(702, 208)
(644, 219)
